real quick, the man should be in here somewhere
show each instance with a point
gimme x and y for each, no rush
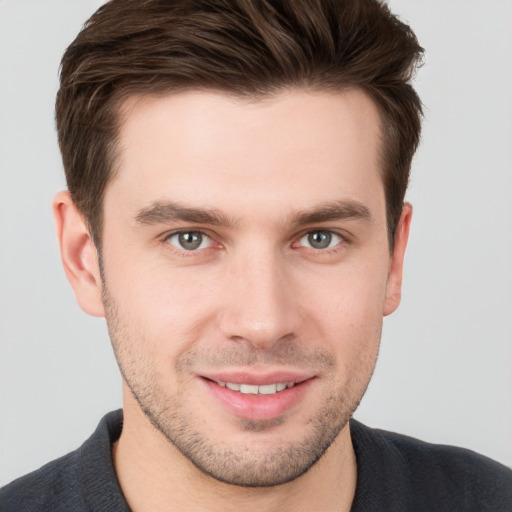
(236, 176)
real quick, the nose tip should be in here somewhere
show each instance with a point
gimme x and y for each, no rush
(261, 335)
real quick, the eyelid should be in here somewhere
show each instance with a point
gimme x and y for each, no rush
(344, 238)
(167, 236)
(177, 231)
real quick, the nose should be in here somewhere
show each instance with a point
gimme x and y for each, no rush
(259, 306)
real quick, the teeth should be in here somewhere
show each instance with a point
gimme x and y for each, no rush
(248, 389)
(268, 389)
(251, 389)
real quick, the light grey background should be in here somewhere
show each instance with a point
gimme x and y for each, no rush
(444, 373)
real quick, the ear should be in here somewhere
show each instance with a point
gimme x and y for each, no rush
(394, 283)
(78, 253)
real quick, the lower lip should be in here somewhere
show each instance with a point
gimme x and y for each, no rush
(258, 407)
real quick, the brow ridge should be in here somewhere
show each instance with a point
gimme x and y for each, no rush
(332, 211)
(166, 212)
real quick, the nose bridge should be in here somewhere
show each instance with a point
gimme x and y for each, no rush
(259, 306)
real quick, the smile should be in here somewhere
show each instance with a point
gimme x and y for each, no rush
(251, 389)
(259, 397)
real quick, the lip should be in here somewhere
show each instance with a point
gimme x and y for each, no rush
(258, 407)
(257, 379)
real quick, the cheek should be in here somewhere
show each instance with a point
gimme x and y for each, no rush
(351, 296)
(170, 307)
(347, 313)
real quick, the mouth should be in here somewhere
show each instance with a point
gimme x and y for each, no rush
(253, 389)
(256, 397)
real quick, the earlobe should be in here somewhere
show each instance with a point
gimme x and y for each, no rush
(79, 254)
(394, 283)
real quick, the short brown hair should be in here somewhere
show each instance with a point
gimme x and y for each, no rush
(243, 47)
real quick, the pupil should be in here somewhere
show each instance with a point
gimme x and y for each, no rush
(320, 239)
(190, 240)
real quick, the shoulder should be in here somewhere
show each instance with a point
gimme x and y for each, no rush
(430, 474)
(51, 487)
(458, 468)
(82, 480)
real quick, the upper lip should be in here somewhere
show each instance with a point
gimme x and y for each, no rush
(258, 379)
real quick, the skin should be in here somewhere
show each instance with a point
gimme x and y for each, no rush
(256, 298)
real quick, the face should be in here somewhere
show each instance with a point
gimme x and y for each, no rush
(246, 272)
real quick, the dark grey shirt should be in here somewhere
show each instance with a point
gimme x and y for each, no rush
(395, 473)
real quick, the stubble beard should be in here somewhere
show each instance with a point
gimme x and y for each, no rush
(235, 466)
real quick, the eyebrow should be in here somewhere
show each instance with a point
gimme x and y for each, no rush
(167, 212)
(332, 211)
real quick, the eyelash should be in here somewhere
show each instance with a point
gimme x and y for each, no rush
(343, 240)
(325, 250)
(185, 252)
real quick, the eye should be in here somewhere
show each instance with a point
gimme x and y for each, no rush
(189, 240)
(320, 239)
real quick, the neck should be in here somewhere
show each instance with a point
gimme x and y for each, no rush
(155, 476)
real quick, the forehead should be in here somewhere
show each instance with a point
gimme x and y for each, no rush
(289, 148)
